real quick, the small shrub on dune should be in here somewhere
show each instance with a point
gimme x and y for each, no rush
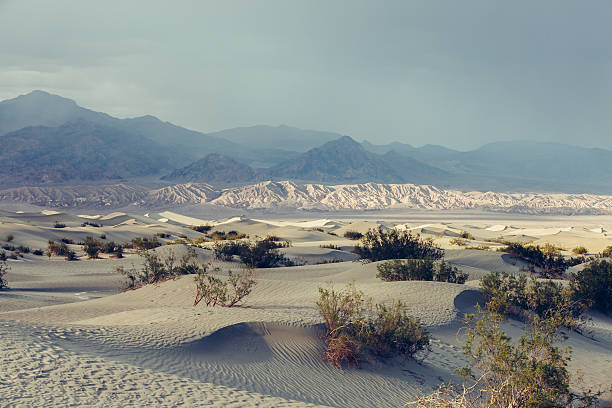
(580, 250)
(70, 256)
(531, 372)
(162, 235)
(201, 228)
(592, 286)
(144, 243)
(91, 224)
(466, 235)
(2, 256)
(9, 238)
(516, 296)
(607, 252)
(547, 258)
(3, 270)
(38, 252)
(355, 327)
(226, 292)
(92, 247)
(59, 225)
(379, 245)
(157, 268)
(57, 249)
(419, 269)
(259, 254)
(457, 241)
(354, 235)
(329, 246)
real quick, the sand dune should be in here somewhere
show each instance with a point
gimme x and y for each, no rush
(71, 338)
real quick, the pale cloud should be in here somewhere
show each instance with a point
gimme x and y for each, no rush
(454, 73)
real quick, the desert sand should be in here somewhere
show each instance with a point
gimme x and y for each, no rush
(72, 338)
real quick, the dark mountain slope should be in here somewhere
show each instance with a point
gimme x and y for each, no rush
(214, 168)
(77, 151)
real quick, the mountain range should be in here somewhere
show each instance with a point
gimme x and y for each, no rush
(46, 139)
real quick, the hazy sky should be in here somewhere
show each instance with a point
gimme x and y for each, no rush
(457, 73)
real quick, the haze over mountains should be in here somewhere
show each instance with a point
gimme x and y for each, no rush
(46, 139)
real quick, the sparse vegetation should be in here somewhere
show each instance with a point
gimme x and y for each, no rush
(59, 225)
(457, 241)
(547, 258)
(355, 327)
(329, 246)
(354, 235)
(201, 228)
(92, 247)
(3, 270)
(530, 372)
(162, 235)
(379, 245)
(57, 249)
(519, 297)
(66, 240)
(607, 252)
(502, 373)
(157, 268)
(592, 286)
(479, 247)
(143, 243)
(9, 238)
(91, 224)
(258, 254)
(219, 291)
(580, 250)
(38, 252)
(419, 269)
(226, 236)
(466, 235)
(3, 256)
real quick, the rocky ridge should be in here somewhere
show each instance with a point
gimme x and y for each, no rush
(287, 194)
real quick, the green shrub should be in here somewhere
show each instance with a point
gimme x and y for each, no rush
(201, 228)
(157, 268)
(355, 326)
(580, 250)
(446, 272)
(593, 285)
(410, 269)
(70, 256)
(419, 269)
(226, 236)
(515, 296)
(92, 247)
(3, 270)
(259, 254)
(226, 292)
(354, 235)
(144, 243)
(466, 235)
(379, 245)
(547, 258)
(57, 249)
(59, 225)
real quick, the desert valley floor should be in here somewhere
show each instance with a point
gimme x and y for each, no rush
(70, 337)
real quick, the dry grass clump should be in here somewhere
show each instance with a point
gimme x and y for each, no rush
(354, 326)
(466, 235)
(226, 292)
(143, 243)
